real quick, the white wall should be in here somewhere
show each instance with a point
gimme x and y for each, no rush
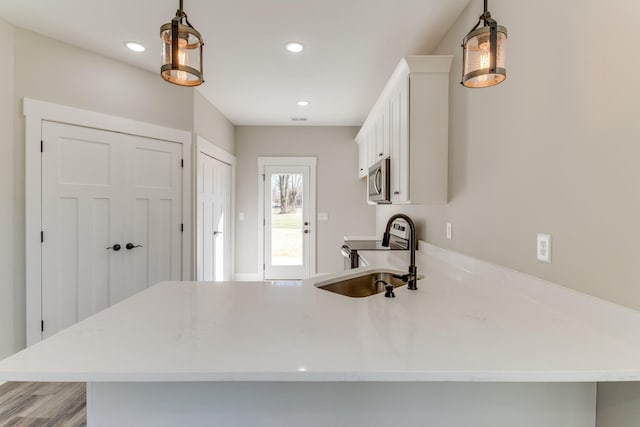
(49, 70)
(553, 149)
(212, 125)
(10, 287)
(339, 192)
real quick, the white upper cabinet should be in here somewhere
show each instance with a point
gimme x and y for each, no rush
(410, 124)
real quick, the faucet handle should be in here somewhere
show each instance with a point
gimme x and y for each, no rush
(404, 277)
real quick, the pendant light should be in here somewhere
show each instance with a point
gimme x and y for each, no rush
(181, 51)
(483, 53)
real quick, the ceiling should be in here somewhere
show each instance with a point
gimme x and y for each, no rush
(351, 47)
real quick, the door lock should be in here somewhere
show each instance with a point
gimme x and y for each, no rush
(115, 247)
(130, 246)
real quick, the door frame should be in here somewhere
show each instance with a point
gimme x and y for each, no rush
(35, 113)
(203, 146)
(287, 161)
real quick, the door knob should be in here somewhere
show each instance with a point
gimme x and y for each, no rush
(306, 223)
(115, 247)
(306, 231)
(130, 246)
(215, 233)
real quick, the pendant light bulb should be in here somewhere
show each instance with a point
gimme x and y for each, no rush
(484, 53)
(181, 51)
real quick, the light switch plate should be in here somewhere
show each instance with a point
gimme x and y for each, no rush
(241, 216)
(323, 216)
(544, 248)
(449, 231)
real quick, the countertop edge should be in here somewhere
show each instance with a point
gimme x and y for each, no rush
(330, 377)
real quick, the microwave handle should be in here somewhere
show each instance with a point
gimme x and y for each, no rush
(377, 181)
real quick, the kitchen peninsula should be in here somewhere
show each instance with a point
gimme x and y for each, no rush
(476, 344)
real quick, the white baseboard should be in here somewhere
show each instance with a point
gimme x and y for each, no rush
(319, 274)
(255, 277)
(248, 277)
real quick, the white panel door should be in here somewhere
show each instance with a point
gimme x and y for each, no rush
(287, 222)
(213, 219)
(152, 235)
(100, 191)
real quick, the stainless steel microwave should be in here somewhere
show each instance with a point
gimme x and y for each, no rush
(380, 182)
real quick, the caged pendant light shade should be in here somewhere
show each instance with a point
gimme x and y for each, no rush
(181, 51)
(484, 53)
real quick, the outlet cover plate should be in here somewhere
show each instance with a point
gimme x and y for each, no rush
(544, 248)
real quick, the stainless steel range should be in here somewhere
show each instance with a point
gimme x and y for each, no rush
(399, 240)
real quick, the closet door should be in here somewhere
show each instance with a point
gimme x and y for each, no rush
(100, 191)
(153, 213)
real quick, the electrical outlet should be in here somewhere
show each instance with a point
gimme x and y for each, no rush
(449, 231)
(544, 248)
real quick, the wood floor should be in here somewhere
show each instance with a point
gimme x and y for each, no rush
(43, 405)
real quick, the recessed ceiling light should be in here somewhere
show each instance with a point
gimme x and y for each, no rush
(303, 103)
(294, 47)
(136, 47)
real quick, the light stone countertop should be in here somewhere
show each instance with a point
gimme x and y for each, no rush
(468, 321)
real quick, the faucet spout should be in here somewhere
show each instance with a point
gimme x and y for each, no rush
(412, 282)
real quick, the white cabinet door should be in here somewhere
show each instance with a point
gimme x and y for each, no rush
(363, 166)
(385, 118)
(379, 143)
(372, 153)
(101, 189)
(399, 108)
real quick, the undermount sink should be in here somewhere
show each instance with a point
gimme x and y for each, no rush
(365, 284)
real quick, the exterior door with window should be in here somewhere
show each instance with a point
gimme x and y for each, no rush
(288, 210)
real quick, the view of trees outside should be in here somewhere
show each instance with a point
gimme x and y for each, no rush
(286, 219)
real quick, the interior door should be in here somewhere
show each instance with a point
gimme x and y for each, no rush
(100, 191)
(287, 222)
(82, 179)
(152, 235)
(213, 219)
